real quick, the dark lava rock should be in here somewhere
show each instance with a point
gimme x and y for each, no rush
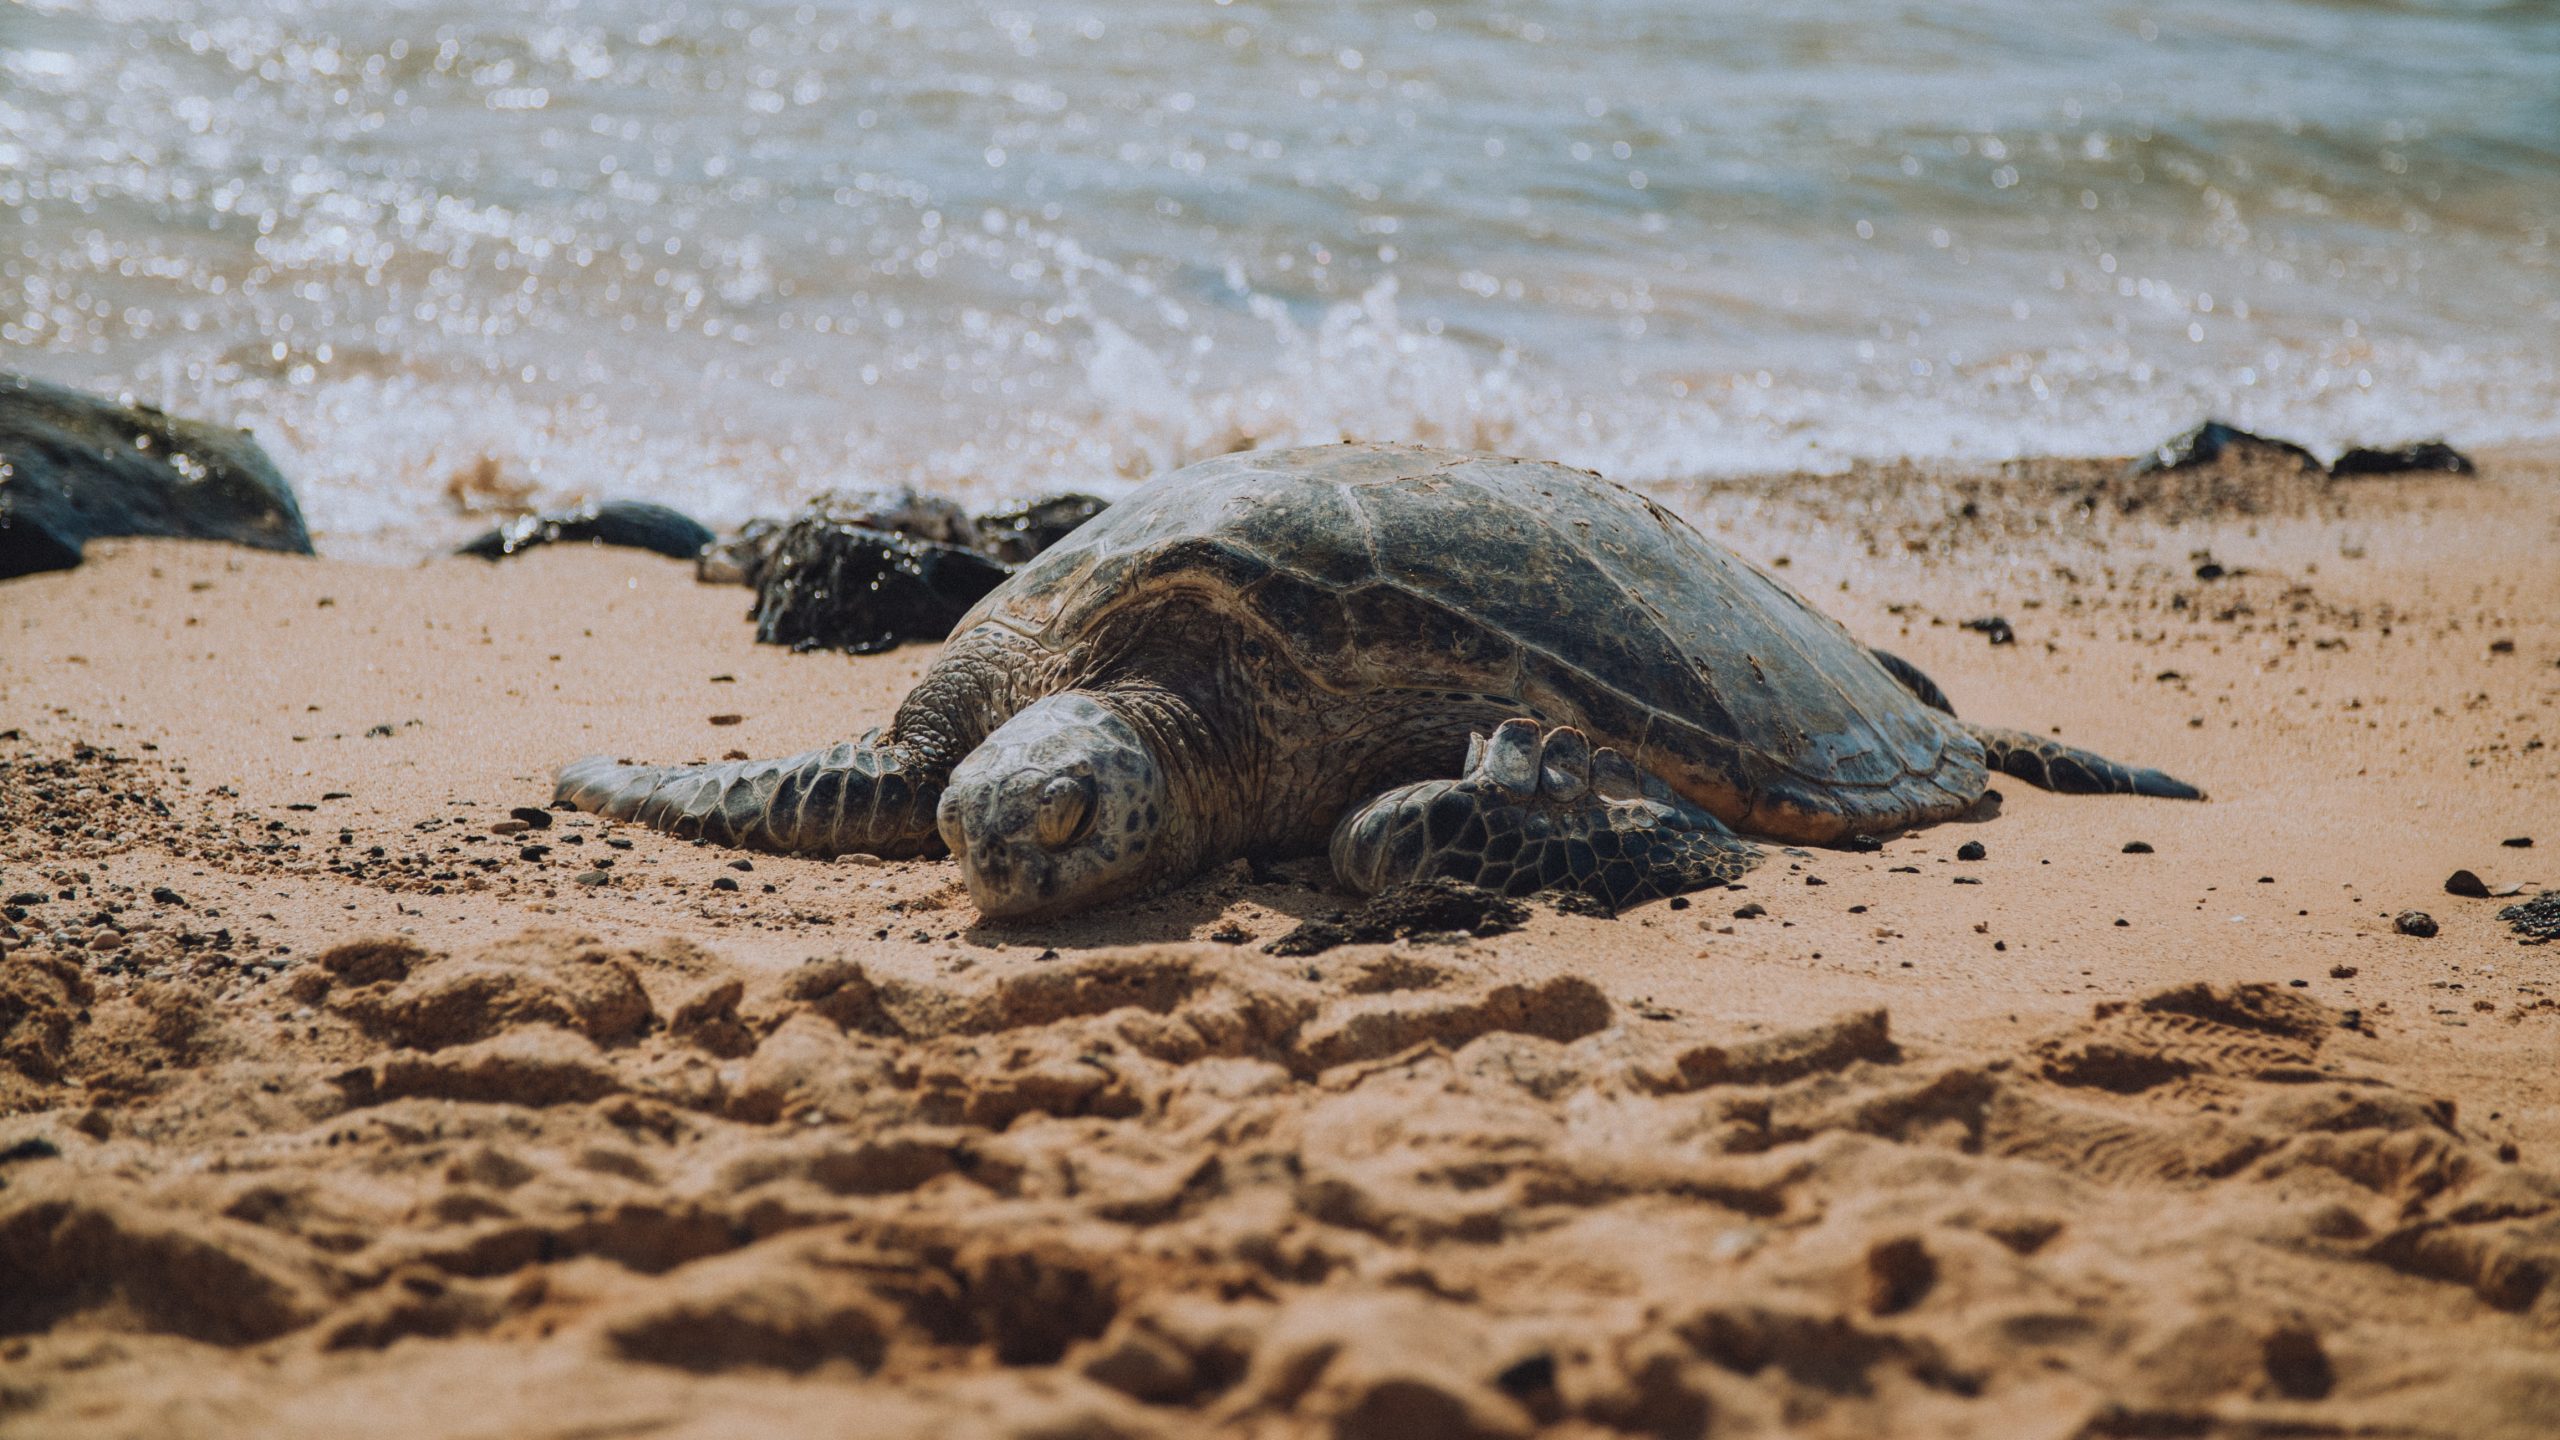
(2466, 885)
(1996, 627)
(1971, 850)
(828, 586)
(2211, 442)
(896, 510)
(74, 467)
(534, 816)
(2415, 922)
(2422, 455)
(2518, 842)
(635, 524)
(1426, 907)
(1014, 533)
(2537, 919)
(2137, 847)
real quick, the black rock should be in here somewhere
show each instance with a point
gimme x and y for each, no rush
(2518, 842)
(899, 510)
(2537, 920)
(2415, 922)
(2403, 459)
(533, 816)
(2466, 885)
(2137, 847)
(1971, 850)
(1016, 532)
(828, 586)
(74, 467)
(635, 524)
(2210, 442)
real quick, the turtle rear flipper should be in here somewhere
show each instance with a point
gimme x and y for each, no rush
(2052, 765)
(1537, 812)
(856, 796)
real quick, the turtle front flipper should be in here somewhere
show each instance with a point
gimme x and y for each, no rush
(1537, 812)
(2052, 765)
(856, 796)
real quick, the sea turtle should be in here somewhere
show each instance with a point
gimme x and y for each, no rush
(1432, 663)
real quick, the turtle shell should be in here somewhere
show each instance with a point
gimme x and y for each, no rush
(1407, 573)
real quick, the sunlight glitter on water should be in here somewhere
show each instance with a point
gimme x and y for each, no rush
(723, 255)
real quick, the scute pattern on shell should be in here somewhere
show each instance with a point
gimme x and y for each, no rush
(1379, 568)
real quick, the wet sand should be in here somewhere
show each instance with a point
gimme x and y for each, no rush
(323, 1107)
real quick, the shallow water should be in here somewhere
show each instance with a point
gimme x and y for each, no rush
(725, 254)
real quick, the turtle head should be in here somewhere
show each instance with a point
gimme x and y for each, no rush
(1060, 808)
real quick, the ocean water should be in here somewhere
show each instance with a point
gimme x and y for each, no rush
(724, 254)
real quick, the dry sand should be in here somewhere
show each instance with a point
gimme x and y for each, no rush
(324, 1110)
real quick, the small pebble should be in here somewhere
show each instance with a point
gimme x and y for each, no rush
(1679, 902)
(857, 858)
(163, 895)
(2123, 924)
(1752, 911)
(2415, 922)
(728, 719)
(2342, 972)
(724, 883)
(533, 852)
(742, 864)
(533, 816)
(509, 827)
(1971, 850)
(594, 877)
(1862, 844)
(2137, 847)
(2467, 885)
(2518, 842)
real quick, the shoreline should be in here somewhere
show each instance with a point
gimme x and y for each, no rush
(2334, 687)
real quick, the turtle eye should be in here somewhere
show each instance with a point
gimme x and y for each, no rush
(1066, 803)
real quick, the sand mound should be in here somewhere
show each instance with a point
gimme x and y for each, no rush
(555, 1185)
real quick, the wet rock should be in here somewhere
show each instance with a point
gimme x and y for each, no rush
(74, 467)
(2467, 885)
(1426, 907)
(2419, 455)
(634, 524)
(2415, 922)
(898, 510)
(2212, 442)
(1014, 533)
(2537, 920)
(828, 586)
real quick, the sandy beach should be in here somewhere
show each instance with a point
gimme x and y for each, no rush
(326, 1108)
